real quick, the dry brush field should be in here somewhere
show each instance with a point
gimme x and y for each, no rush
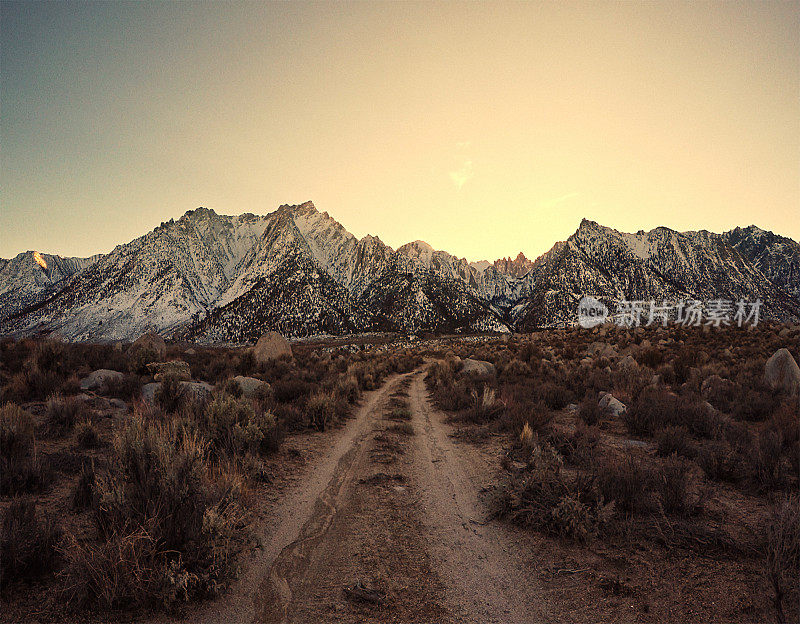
(567, 475)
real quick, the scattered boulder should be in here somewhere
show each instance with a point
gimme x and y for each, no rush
(628, 364)
(250, 385)
(149, 392)
(150, 342)
(601, 349)
(478, 367)
(716, 387)
(271, 346)
(178, 368)
(190, 352)
(609, 404)
(118, 404)
(782, 373)
(98, 380)
(197, 390)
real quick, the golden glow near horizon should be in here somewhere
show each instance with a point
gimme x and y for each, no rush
(483, 129)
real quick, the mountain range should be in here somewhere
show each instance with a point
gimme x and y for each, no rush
(217, 278)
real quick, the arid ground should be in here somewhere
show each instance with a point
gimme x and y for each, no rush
(450, 479)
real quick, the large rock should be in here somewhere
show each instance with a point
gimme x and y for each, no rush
(628, 365)
(601, 349)
(271, 346)
(151, 342)
(99, 379)
(250, 385)
(197, 390)
(611, 404)
(782, 373)
(177, 368)
(478, 367)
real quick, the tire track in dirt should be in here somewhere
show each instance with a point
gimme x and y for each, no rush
(364, 529)
(305, 504)
(485, 570)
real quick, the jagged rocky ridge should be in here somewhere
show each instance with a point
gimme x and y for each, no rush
(297, 270)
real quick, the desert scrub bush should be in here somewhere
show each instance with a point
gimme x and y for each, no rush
(139, 358)
(127, 388)
(580, 447)
(656, 408)
(169, 522)
(291, 390)
(83, 494)
(556, 396)
(627, 481)
(484, 408)
(544, 499)
(27, 543)
(520, 411)
(766, 460)
(232, 426)
(589, 410)
(124, 571)
(22, 469)
(675, 440)
(671, 483)
(86, 434)
(321, 410)
(720, 461)
(171, 395)
(516, 368)
(782, 546)
(347, 388)
(31, 384)
(62, 413)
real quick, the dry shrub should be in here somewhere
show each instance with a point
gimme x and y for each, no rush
(171, 395)
(233, 427)
(656, 408)
(556, 396)
(27, 543)
(170, 523)
(720, 461)
(291, 390)
(138, 358)
(127, 387)
(675, 440)
(580, 447)
(62, 413)
(347, 388)
(766, 460)
(520, 411)
(545, 499)
(321, 410)
(83, 495)
(22, 469)
(31, 384)
(485, 407)
(627, 481)
(590, 411)
(86, 434)
(783, 552)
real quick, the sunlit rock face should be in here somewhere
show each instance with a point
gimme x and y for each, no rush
(298, 271)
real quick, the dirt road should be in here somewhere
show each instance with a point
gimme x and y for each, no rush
(387, 527)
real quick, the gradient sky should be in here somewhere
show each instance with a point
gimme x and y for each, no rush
(482, 128)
